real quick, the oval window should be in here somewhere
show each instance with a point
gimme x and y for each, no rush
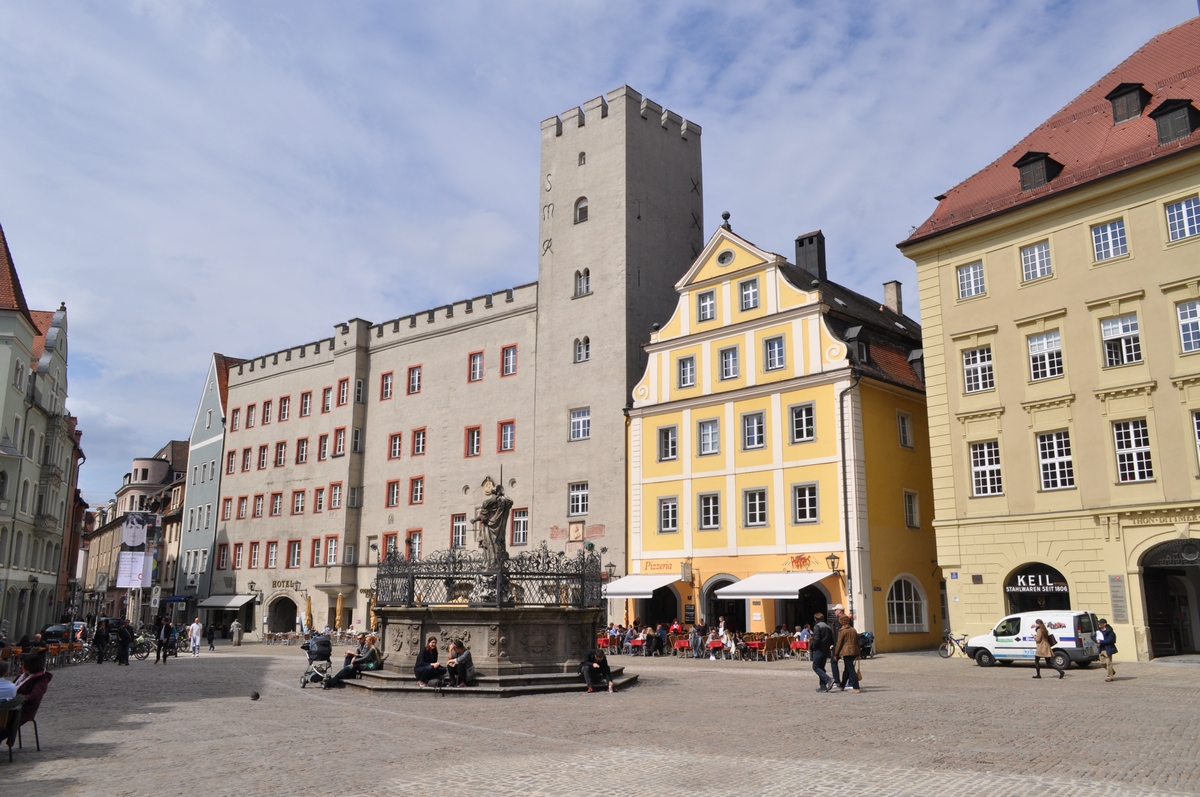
(725, 258)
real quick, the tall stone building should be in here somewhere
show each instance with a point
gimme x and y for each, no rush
(377, 438)
(1060, 295)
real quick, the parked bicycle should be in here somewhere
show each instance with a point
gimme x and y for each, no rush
(143, 646)
(950, 643)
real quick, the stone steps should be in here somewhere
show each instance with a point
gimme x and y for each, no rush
(387, 682)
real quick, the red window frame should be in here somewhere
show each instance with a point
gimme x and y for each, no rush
(339, 547)
(280, 448)
(294, 494)
(308, 394)
(500, 436)
(341, 498)
(250, 415)
(267, 406)
(411, 481)
(300, 448)
(284, 400)
(243, 506)
(267, 555)
(255, 506)
(235, 419)
(226, 509)
(482, 366)
(394, 538)
(343, 392)
(393, 448)
(231, 463)
(322, 448)
(339, 437)
(314, 559)
(247, 459)
(271, 509)
(420, 368)
(408, 535)
(450, 543)
(318, 500)
(382, 380)
(264, 453)
(413, 441)
(467, 441)
(254, 559)
(512, 525)
(513, 348)
(326, 406)
(237, 556)
(287, 562)
(387, 496)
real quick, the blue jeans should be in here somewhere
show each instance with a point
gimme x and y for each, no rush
(819, 658)
(833, 665)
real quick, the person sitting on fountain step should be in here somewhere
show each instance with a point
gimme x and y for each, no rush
(427, 669)
(595, 671)
(460, 665)
(368, 659)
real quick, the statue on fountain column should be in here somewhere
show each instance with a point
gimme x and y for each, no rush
(493, 518)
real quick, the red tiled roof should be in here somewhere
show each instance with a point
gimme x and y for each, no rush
(1082, 136)
(11, 295)
(224, 363)
(41, 320)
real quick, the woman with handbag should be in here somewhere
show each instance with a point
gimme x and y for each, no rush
(1044, 641)
(846, 649)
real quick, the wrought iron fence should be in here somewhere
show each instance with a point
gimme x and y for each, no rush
(539, 577)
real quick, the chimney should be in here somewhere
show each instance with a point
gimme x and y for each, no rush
(810, 254)
(892, 298)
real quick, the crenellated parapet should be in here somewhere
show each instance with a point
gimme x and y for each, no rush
(455, 316)
(596, 110)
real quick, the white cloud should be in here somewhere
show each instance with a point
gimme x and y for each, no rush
(198, 177)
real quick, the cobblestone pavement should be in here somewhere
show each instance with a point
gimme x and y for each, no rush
(921, 725)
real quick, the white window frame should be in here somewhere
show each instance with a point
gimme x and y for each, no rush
(520, 532)
(1188, 314)
(708, 510)
(1035, 261)
(1131, 439)
(754, 430)
(668, 443)
(458, 531)
(1056, 467)
(904, 430)
(755, 507)
(475, 367)
(978, 376)
(396, 443)
(907, 608)
(1183, 218)
(508, 360)
(748, 294)
(774, 353)
(298, 502)
(912, 509)
(418, 442)
(331, 551)
(1109, 241)
(416, 490)
(668, 515)
(1045, 355)
(581, 424)
(474, 441)
(686, 370)
(708, 433)
(706, 306)
(508, 436)
(806, 506)
(802, 417)
(385, 391)
(1122, 340)
(583, 349)
(577, 499)
(987, 478)
(971, 280)
(730, 368)
(414, 380)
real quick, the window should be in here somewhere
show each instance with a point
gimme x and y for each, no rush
(319, 499)
(687, 371)
(391, 543)
(1054, 458)
(414, 380)
(331, 551)
(339, 442)
(258, 506)
(393, 493)
(1133, 451)
(222, 557)
(1183, 218)
(280, 454)
(706, 306)
(285, 408)
(262, 457)
(583, 282)
(395, 446)
(1036, 170)
(507, 436)
(305, 405)
(577, 499)
(710, 437)
(1108, 240)
(335, 496)
(912, 510)
(582, 158)
(250, 416)
(235, 419)
(520, 526)
(272, 554)
(754, 430)
(804, 426)
(293, 560)
(985, 468)
(1045, 355)
(1122, 341)
(298, 502)
(581, 424)
(905, 608)
(1175, 120)
(323, 447)
(668, 443)
(904, 429)
(755, 503)
(418, 442)
(231, 461)
(710, 511)
(970, 280)
(416, 491)
(343, 396)
(356, 441)
(241, 512)
(458, 531)
(353, 496)
(327, 399)
(1196, 429)
(1189, 325)
(581, 210)
(472, 441)
(254, 554)
(583, 349)
(1126, 105)
(266, 415)
(227, 509)
(359, 393)
(977, 369)
(475, 367)
(276, 504)
(385, 386)
(237, 556)
(729, 363)
(316, 553)
(804, 503)
(773, 358)
(748, 291)
(414, 545)
(1035, 261)
(508, 361)
(302, 451)
(668, 515)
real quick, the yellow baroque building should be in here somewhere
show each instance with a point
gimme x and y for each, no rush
(778, 459)
(1060, 297)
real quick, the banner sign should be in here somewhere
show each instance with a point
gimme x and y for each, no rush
(139, 543)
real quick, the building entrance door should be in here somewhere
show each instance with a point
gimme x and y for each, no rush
(1037, 587)
(282, 616)
(1170, 584)
(661, 607)
(800, 611)
(733, 610)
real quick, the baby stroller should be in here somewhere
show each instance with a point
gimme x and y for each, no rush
(320, 653)
(866, 645)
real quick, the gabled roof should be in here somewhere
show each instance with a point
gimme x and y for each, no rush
(11, 295)
(223, 364)
(41, 320)
(1082, 136)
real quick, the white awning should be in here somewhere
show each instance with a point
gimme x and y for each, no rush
(225, 601)
(639, 586)
(771, 585)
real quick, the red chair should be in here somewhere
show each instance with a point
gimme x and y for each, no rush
(33, 690)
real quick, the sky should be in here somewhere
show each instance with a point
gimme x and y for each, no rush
(193, 176)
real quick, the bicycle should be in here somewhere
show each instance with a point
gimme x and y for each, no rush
(950, 643)
(143, 646)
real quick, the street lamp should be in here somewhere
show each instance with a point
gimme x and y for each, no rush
(611, 569)
(833, 560)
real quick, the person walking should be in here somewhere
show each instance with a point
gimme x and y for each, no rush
(819, 646)
(1106, 640)
(124, 642)
(1042, 638)
(212, 636)
(847, 650)
(165, 639)
(196, 631)
(100, 640)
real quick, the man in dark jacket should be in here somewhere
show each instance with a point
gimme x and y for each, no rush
(165, 639)
(460, 664)
(124, 642)
(100, 640)
(819, 645)
(595, 671)
(1106, 640)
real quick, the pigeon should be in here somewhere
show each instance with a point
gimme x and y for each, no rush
(254, 695)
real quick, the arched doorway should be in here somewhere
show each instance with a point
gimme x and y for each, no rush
(1170, 584)
(1037, 587)
(281, 617)
(732, 609)
(799, 611)
(661, 607)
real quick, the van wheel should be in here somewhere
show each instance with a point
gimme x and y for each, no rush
(984, 659)
(1062, 660)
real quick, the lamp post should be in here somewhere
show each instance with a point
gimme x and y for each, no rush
(833, 560)
(611, 570)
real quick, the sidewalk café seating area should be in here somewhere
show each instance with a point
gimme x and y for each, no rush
(58, 654)
(758, 647)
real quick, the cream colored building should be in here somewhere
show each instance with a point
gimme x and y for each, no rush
(1060, 298)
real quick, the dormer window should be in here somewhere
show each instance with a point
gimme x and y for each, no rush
(1176, 119)
(1037, 169)
(1128, 100)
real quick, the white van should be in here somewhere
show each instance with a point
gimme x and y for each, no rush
(1012, 639)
